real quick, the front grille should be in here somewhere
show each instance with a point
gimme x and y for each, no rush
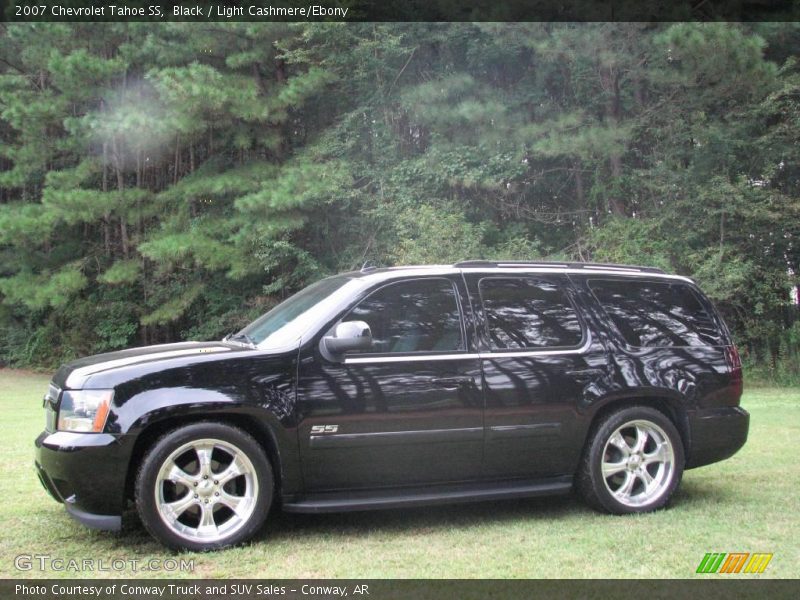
(50, 403)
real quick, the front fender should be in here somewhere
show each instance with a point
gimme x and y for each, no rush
(265, 412)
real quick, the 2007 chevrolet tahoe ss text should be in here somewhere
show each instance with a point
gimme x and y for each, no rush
(404, 386)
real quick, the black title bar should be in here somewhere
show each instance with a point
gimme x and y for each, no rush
(400, 10)
(391, 589)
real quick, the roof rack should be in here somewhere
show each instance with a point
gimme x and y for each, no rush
(557, 265)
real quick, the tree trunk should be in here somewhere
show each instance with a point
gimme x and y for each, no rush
(177, 157)
(123, 227)
(107, 215)
(579, 194)
(610, 80)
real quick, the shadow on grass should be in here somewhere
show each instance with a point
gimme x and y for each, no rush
(429, 519)
(281, 526)
(692, 493)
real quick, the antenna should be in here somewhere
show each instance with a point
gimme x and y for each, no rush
(369, 265)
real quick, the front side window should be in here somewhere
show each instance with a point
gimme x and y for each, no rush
(656, 314)
(287, 321)
(420, 315)
(526, 313)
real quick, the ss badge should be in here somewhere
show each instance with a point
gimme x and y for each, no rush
(318, 429)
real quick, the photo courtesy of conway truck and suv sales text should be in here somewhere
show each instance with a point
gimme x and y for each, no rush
(395, 387)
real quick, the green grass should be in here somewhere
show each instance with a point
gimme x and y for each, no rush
(748, 503)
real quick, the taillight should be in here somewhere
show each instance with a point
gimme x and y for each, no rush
(734, 362)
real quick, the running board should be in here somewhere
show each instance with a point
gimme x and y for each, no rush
(420, 496)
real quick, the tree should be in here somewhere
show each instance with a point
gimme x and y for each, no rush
(163, 181)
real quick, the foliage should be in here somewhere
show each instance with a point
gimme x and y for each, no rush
(164, 181)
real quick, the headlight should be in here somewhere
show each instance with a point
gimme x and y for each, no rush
(84, 410)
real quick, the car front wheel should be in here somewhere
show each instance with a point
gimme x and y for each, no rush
(633, 462)
(204, 486)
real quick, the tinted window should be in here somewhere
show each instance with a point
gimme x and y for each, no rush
(285, 322)
(652, 314)
(528, 313)
(412, 316)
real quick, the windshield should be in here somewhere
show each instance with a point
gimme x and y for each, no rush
(287, 322)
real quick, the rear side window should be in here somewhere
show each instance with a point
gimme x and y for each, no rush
(657, 314)
(419, 315)
(527, 313)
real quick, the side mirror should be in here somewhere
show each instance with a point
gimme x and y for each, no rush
(349, 335)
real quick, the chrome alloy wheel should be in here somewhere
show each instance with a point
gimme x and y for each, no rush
(638, 463)
(206, 490)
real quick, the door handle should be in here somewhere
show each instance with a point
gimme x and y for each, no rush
(584, 374)
(452, 381)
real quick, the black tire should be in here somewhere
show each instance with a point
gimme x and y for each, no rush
(640, 497)
(259, 481)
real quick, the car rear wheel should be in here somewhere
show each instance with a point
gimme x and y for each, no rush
(633, 462)
(204, 486)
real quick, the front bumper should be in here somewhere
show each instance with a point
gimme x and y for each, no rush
(717, 434)
(87, 472)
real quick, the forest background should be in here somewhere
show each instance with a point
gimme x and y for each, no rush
(173, 181)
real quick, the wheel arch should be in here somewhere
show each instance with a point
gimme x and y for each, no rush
(256, 428)
(668, 403)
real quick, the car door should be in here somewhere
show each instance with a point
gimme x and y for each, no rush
(406, 411)
(538, 358)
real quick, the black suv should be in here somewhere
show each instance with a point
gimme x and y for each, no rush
(404, 386)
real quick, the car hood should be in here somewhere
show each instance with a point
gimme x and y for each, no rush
(74, 375)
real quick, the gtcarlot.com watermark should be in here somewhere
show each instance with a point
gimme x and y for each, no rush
(46, 562)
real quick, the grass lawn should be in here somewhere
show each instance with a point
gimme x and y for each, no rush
(747, 504)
